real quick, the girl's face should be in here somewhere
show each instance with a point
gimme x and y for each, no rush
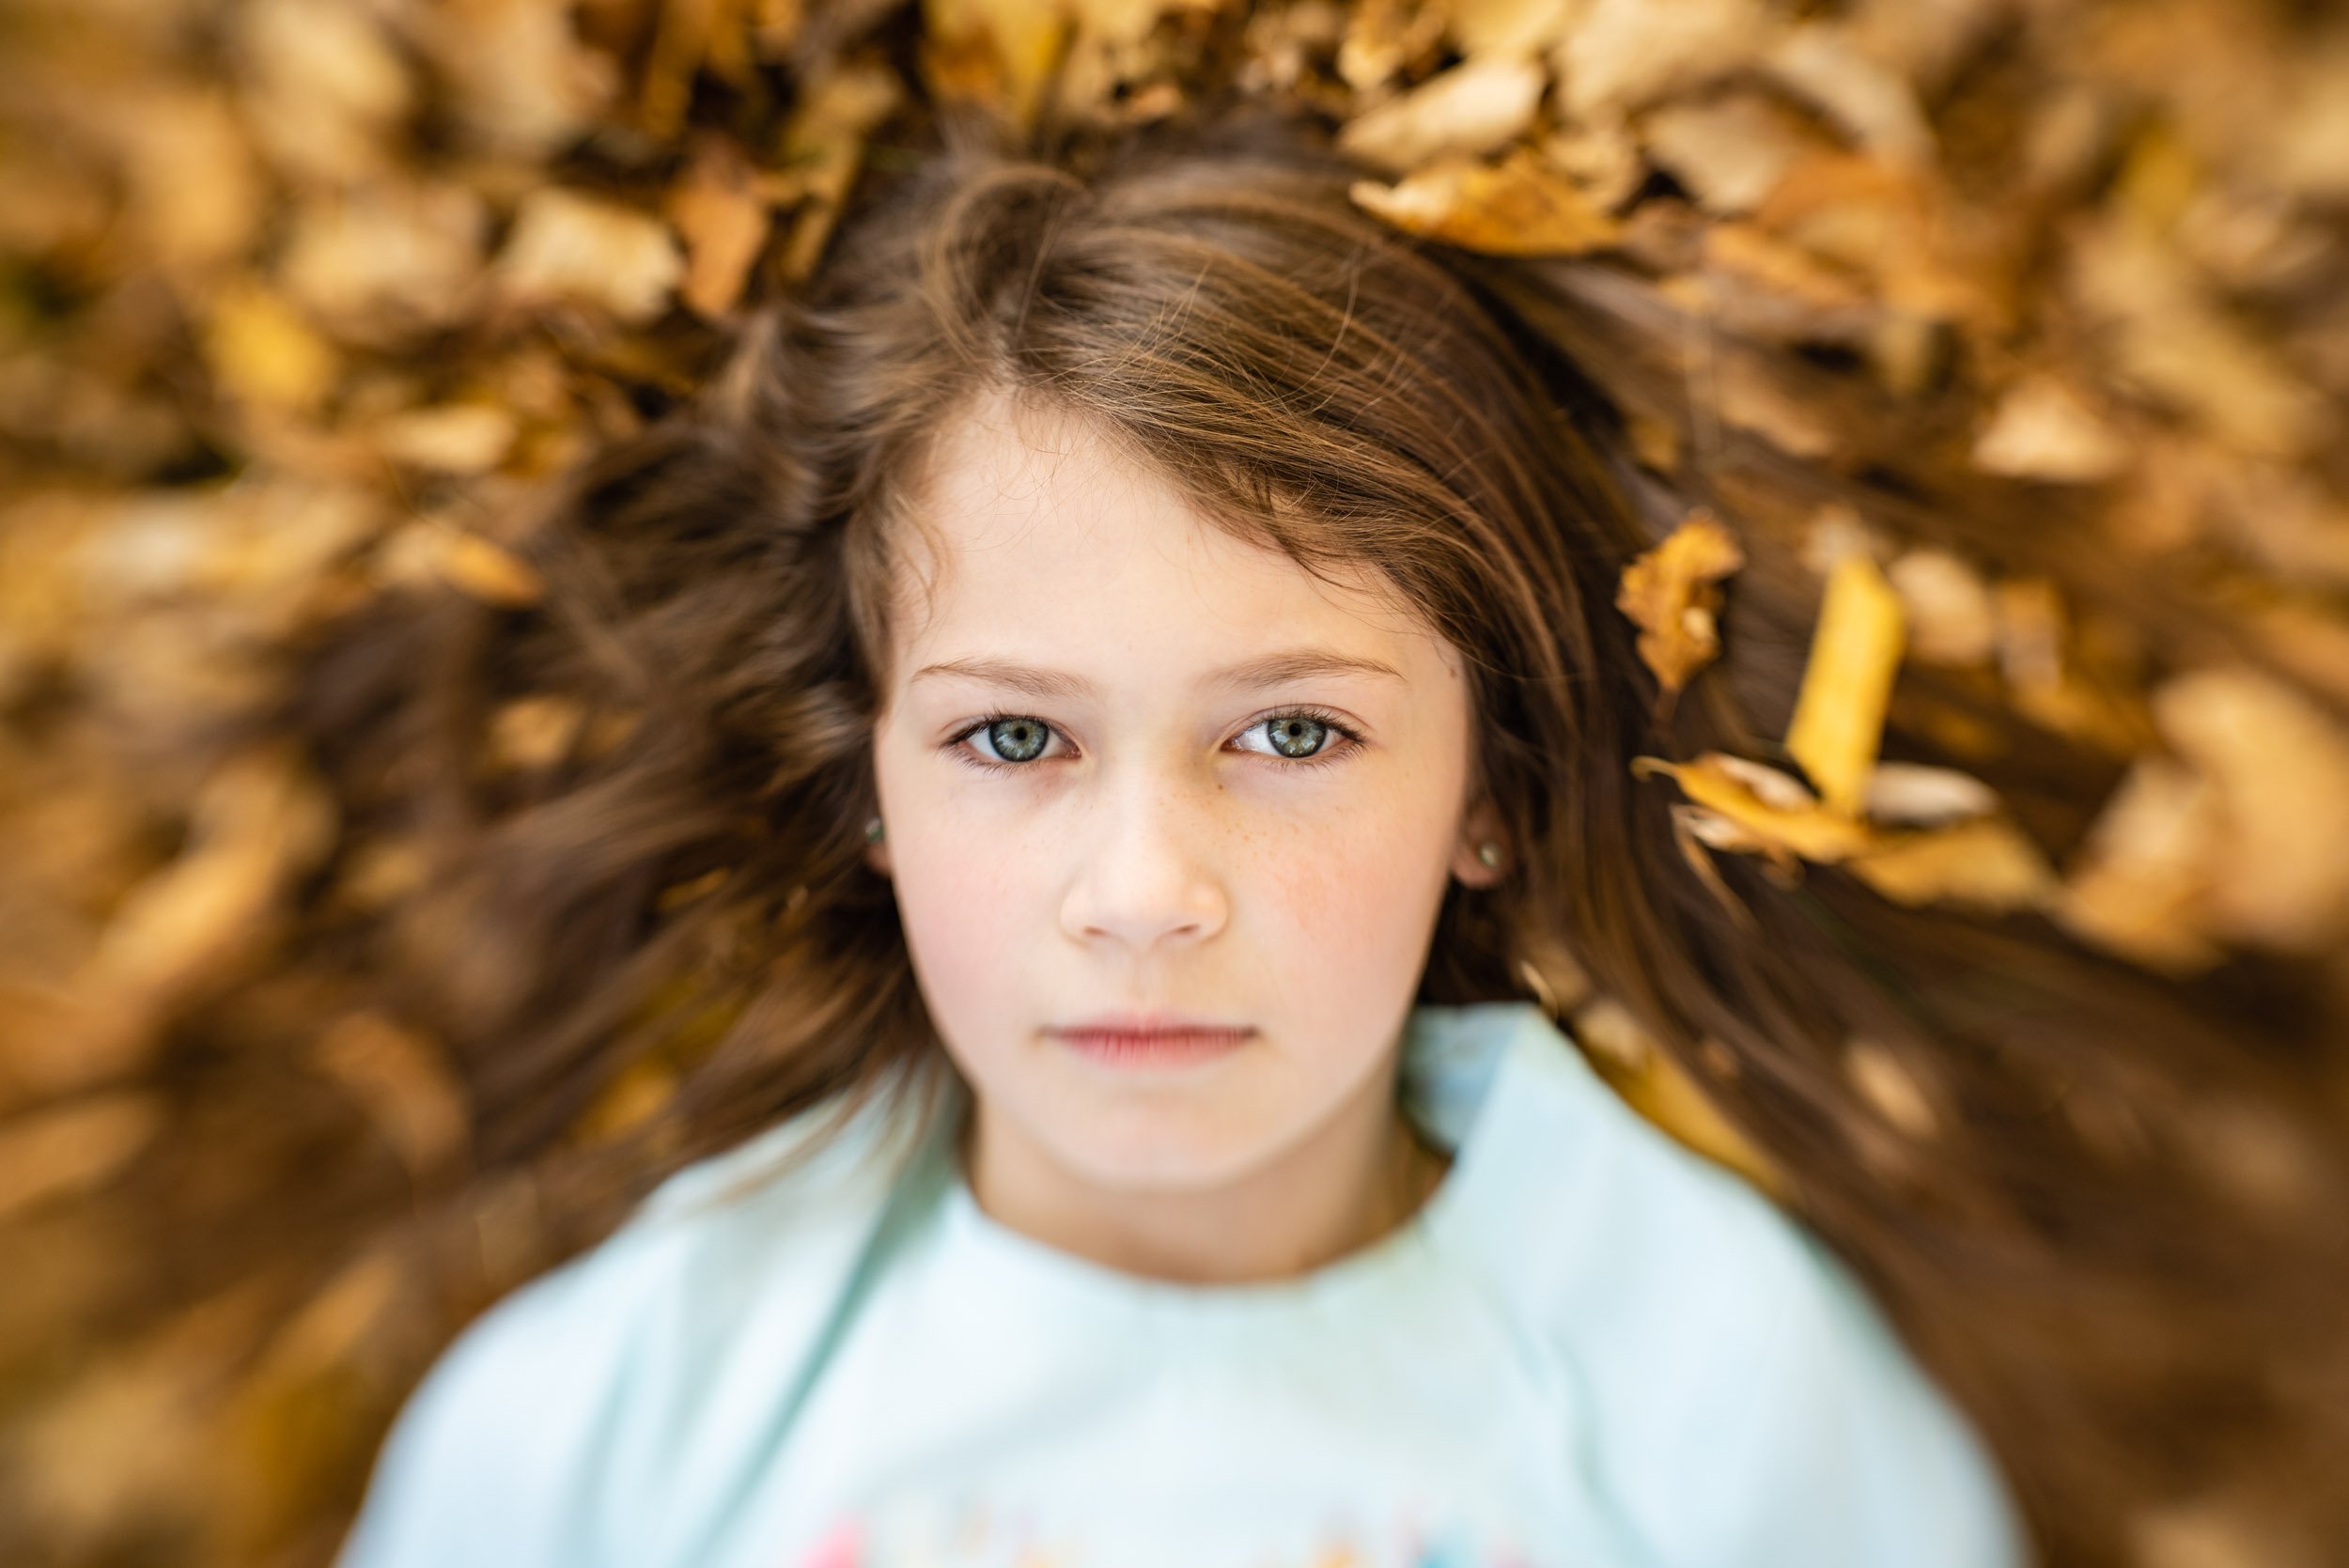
(1212, 785)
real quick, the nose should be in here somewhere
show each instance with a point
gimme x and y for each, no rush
(1145, 875)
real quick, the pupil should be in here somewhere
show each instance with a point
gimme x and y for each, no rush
(1305, 733)
(1027, 740)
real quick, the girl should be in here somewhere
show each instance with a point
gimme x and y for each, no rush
(1141, 637)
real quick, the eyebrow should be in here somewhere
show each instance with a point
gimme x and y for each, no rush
(1268, 670)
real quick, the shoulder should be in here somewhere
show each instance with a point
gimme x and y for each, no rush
(1751, 1401)
(545, 1431)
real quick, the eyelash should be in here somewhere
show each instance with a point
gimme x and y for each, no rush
(1319, 759)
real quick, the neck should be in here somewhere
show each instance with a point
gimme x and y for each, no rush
(1335, 1195)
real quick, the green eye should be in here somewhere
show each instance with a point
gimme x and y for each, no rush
(1306, 738)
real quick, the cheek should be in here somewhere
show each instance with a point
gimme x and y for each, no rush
(970, 896)
(1355, 889)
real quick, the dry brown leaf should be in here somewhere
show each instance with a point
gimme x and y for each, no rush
(2281, 765)
(1980, 860)
(569, 248)
(1824, 63)
(994, 53)
(1773, 811)
(1748, 395)
(386, 264)
(197, 193)
(451, 438)
(1600, 157)
(1383, 37)
(1730, 152)
(323, 89)
(1913, 795)
(1623, 55)
(1758, 285)
(257, 823)
(1518, 206)
(2043, 429)
(429, 549)
(2283, 519)
(260, 351)
(718, 211)
(1983, 861)
(2170, 341)
(2138, 884)
(1673, 593)
(2051, 681)
(822, 149)
(1855, 656)
(534, 732)
(1951, 615)
(1508, 26)
(520, 80)
(1473, 109)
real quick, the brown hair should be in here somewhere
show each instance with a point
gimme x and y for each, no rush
(2122, 1325)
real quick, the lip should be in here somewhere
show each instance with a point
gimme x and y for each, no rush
(1152, 1039)
(1151, 1023)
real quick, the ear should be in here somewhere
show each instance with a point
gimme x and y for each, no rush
(876, 856)
(1480, 824)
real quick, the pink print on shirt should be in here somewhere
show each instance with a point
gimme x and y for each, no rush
(845, 1545)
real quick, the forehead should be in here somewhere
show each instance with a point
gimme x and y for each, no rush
(1047, 542)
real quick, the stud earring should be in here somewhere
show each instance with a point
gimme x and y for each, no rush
(1488, 852)
(873, 831)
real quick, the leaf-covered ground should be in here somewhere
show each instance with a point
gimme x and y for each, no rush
(301, 300)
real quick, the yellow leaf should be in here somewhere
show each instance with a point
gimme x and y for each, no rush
(262, 352)
(1854, 655)
(1519, 207)
(1473, 109)
(722, 218)
(995, 52)
(1772, 807)
(1984, 862)
(1671, 592)
(570, 248)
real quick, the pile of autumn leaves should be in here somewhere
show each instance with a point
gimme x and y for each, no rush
(307, 299)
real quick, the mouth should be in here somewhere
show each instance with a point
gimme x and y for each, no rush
(1142, 1040)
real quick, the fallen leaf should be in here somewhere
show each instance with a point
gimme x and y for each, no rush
(1627, 53)
(1508, 26)
(1773, 811)
(823, 147)
(2281, 765)
(1821, 62)
(1519, 207)
(569, 248)
(1855, 656)
(722, 216)
(260, 351)
(384, 265)
(1912, 794)
(2042, 429)
(1473, 109)
(1673, 593)
(1383, 37)
(1728, 152)
(1982, 862)
(452, 438)
(994, 53)
(1948, 608)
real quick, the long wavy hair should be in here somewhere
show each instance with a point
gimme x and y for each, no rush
(683, 894)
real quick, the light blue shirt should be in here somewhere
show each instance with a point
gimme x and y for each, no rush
(1591, 1348)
